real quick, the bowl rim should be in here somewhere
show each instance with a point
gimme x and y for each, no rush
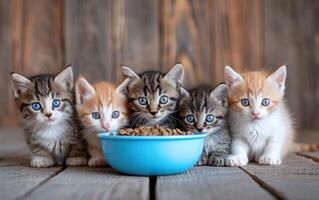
(105, 135)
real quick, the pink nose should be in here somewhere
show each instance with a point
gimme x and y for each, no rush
(106, 126)
(255, 114)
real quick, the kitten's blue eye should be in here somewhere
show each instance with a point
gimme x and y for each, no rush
(163, 99)
(245, 102)
(142, 101)
(36, 106)
(115, 114)
(209, 118)
(96, 115)
(265, 102)
(56, 103)
(190, 118)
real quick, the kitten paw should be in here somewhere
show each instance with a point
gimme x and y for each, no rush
(236, 161)
(217, 161)
(76, 161)
(269, 160)
(97, 162)
(202, 161)
(40, 161)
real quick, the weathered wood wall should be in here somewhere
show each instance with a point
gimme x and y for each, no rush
(99, 36)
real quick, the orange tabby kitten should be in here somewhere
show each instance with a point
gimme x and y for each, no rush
(101, 107)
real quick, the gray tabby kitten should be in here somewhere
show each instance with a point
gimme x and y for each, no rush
(153, 97)
(205, 110)
(46, 104)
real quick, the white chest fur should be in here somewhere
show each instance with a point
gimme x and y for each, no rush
(56, 133)
(276, 128)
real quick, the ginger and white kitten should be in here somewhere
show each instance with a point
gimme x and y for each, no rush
(100, 107)
(261, 125)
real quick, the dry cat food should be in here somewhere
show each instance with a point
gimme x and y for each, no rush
(152, 131)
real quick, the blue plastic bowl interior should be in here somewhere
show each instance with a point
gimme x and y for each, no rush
(152, 155)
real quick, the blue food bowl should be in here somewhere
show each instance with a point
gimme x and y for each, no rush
(152, 155)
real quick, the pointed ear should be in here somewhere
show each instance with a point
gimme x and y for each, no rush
(279, 77)
(220, 94)
(83, 91)
(176, 74)
(20, 84)
(184, 92)
(232, 78)
(121, 89)
(128, 72)
(65, 78)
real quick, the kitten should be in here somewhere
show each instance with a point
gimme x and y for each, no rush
(153, 97)
(261, 125)
(101, 107)
(46, 106)
(205, 110)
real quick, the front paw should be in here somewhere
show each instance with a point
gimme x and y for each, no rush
(76, 161)
(269, 160)
(97, 162)
(40, 161)
(202, 161)
(236, 160)
(216, 161)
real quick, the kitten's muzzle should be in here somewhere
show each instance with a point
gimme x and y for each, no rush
(48, 115)
(153, 113)
(255, 115)
(106, 126)
(200, 129)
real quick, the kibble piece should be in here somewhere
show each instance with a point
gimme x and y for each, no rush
(149, 131)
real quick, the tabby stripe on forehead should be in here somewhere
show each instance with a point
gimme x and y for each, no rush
(36, 90)
(145, 90)
(158, 85)
(50, 88)
(205, 105)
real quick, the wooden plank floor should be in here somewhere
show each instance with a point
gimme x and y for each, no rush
(296, 178)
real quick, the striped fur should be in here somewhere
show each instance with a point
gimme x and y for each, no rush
(153, 86)
(200, 103)
(50, 132)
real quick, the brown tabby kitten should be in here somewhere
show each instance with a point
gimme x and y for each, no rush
(205, 110)
(153, 97)
(46, 104)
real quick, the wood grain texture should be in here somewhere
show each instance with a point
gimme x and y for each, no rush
(136, 35)
(22, 179)
(296, 178)
(291, 29)
(185, 38)
(42, 48)
(237, 36)
(16, 175)
(90, 183)
(209, 183)
(88, 38)
(10, 19)
(99, 36)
